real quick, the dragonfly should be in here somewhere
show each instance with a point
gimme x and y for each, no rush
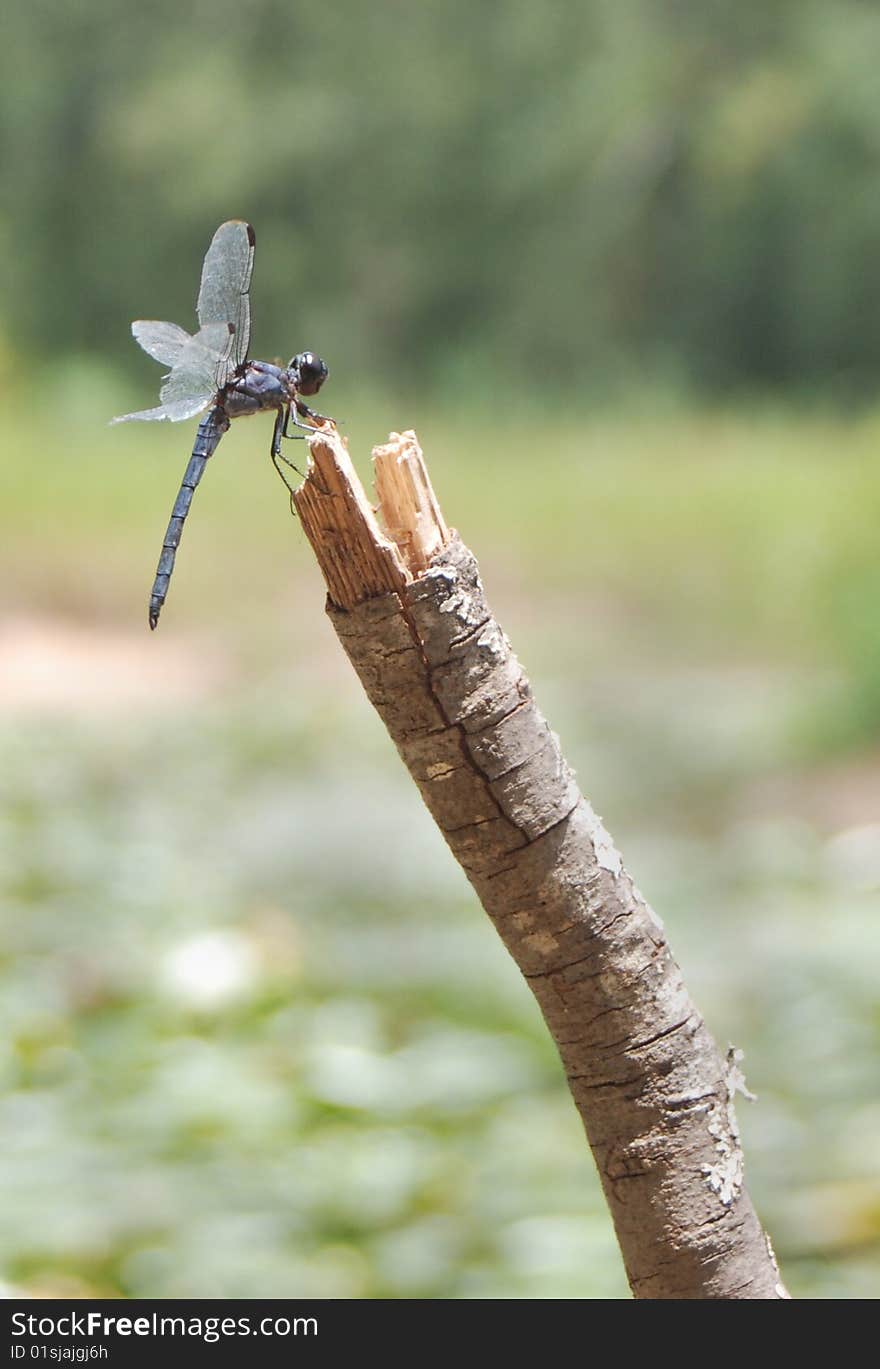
(210, 370)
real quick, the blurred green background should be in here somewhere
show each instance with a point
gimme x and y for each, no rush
(619, 265)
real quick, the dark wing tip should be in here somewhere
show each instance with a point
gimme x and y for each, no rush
(251, 235)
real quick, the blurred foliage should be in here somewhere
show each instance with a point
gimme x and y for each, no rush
(481, 196)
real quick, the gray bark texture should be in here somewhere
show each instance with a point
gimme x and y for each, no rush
(654, 1093)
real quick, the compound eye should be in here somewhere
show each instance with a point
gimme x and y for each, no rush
(312, 372)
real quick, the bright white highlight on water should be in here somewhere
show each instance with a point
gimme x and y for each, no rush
(210, 970)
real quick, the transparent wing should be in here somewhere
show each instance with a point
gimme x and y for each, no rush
(162, 341)
(193, 381)
(223, 293)
(145, 415)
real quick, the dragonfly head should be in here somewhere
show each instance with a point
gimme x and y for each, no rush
(308, 373)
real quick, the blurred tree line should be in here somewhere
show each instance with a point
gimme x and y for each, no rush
(566, 195)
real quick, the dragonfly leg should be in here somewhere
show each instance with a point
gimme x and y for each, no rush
(296, 437)
(281, 426)
(280, 430)
(277, 455)
(304, 411)
(276, 458)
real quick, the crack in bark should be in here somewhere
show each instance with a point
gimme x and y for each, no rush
(606, 1012)
(560, 969)
(660, 1036)
(389, 653)
(496, 874)
(455, 642)
(602, 1083)
(539, 836)
(714, 1219)
(469, 762)
(505, 774)
(503, 717)
(682, 1105)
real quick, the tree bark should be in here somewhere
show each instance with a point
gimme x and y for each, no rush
(653, 1091)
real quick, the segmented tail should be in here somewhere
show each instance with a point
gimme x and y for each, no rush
(210, 431)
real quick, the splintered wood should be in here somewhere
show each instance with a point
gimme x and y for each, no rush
(407, 503)
(358, 560)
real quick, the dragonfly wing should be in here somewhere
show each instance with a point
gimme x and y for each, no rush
(142, 414)
(226, 280)
(162, 341)
(192, 383)
(165, 342)
(177, 408)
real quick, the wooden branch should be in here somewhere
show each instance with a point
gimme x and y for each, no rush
(653, 1091)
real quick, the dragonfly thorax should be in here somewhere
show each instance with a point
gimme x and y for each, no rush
(258, 386)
